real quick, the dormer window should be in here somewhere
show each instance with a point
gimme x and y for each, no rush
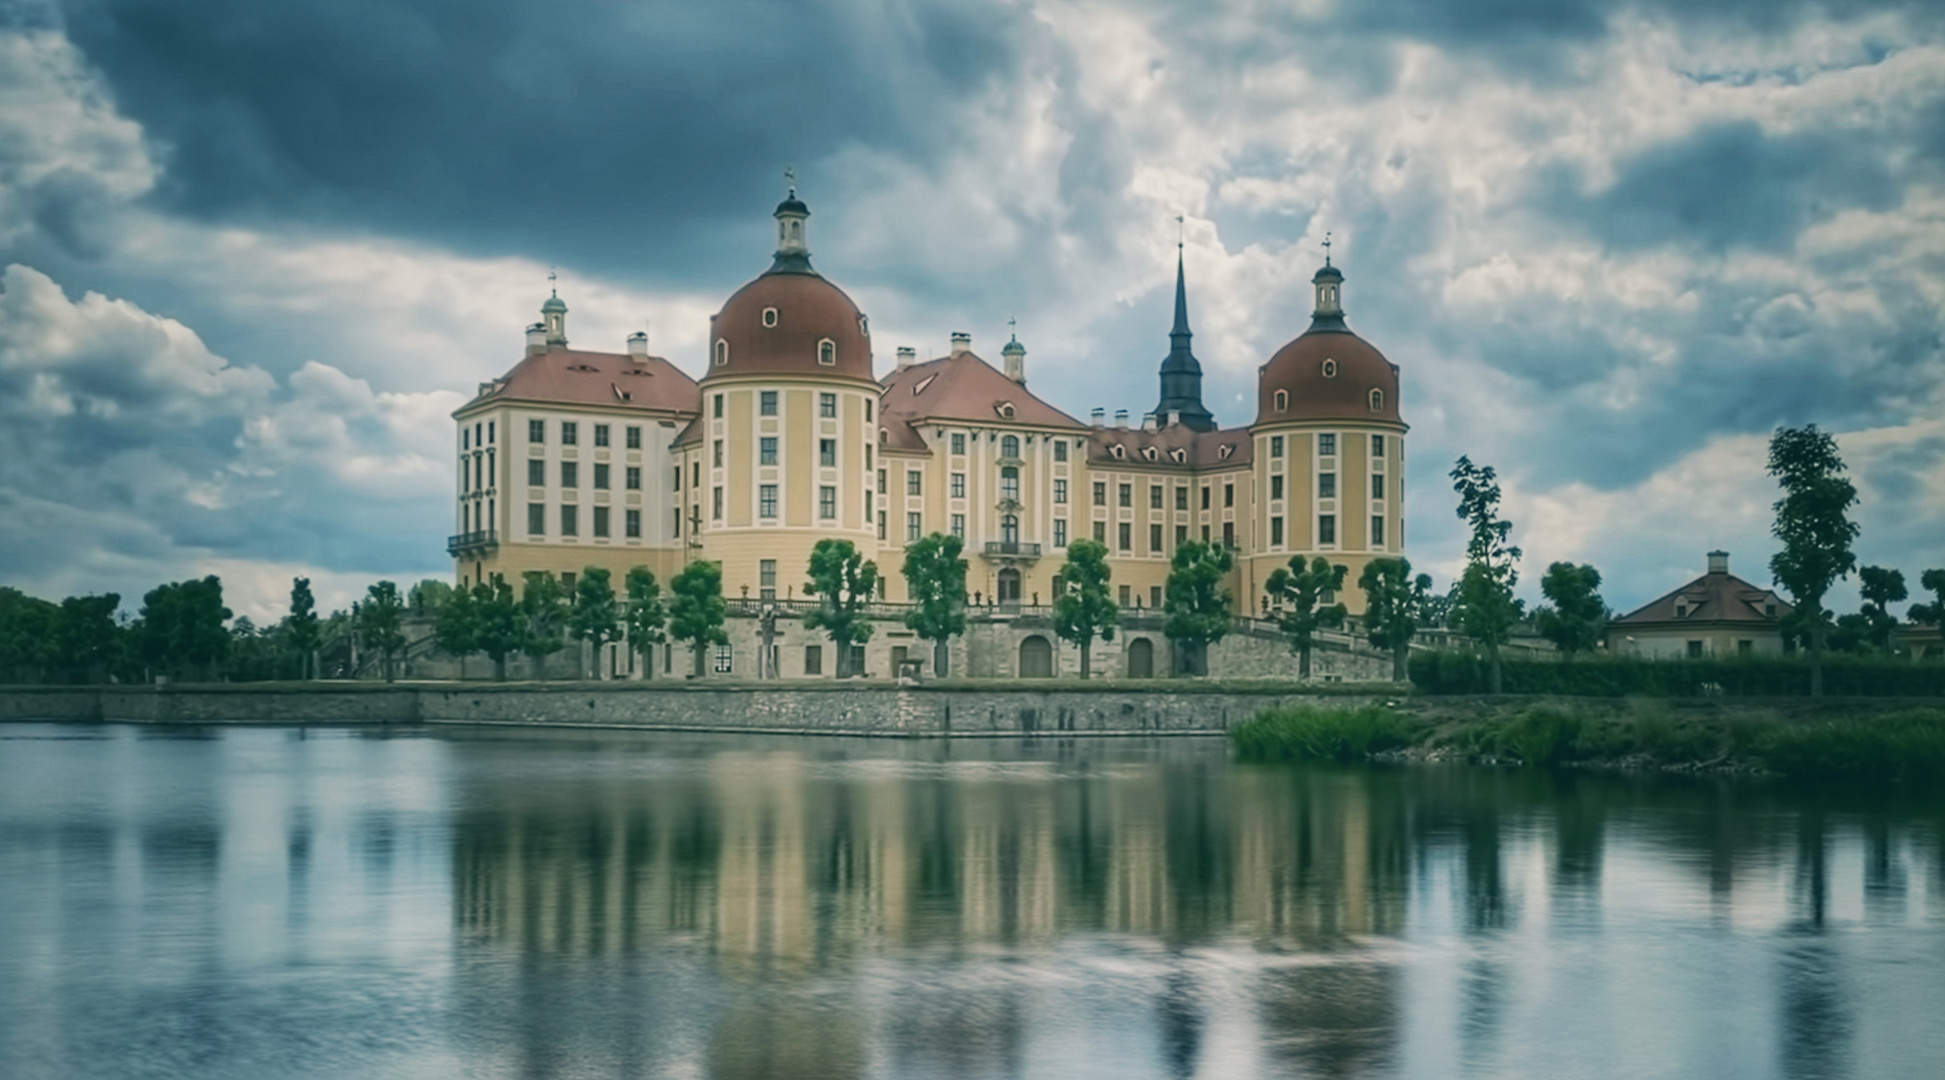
(1005, 409)
(919, 387)
(1148, 452)
(1769, 610)
(827, 352)
(1117, 451)
(883, 436)
(1282, 400)
(1330, 368)
(1178, 455)
(1223, 451)
(769, 316)
(1681, 609)
(722, 352)
(1377, 401)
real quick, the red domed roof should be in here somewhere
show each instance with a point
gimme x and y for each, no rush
(1328, 375)
(809, 311)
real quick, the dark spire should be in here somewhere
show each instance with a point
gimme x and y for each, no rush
(1181, 374)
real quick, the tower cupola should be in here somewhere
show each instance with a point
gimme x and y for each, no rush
(1013, 359)
(793, 231)
(1328, 285)
(553, 319)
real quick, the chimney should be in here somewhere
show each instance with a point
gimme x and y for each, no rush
(638, 345)
(536, 338)
(1174, 418)
(1151, 423)
(1121, 419)
(1718, 562)
(907, 356)
(961, 343)
(1015, 357)
(1099, 417)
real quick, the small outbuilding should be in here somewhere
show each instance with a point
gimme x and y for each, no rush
(1716, 615)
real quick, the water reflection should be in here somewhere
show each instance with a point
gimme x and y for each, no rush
(256, 903)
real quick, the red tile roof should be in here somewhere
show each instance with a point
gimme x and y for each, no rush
(1711, 598)
(964, 389)
(610, 380)
(1175, 447)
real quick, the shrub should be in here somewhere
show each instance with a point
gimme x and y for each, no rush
(1451, 672)
(1541, 736)
(1307, 733)
(1904, 747)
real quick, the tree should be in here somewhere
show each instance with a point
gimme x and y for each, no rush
(845, 580)
(26, 634)
(87, 642)
(1298, 594)
(543, 607)
(1199, 608)
(456, 625)
(379, 621)
(501, 625)
(302, 627)
(594, 617)
(1932, 614)
(181, 630)
(1487, 610)
(1814, 527)
(1083, 610)
(1880, 587)
(1578, 616)
(697, 608)
(429, 595)
(1394, 602)
(645, 617)
(935, 580)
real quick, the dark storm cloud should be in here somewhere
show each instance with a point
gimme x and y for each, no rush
(594, 131)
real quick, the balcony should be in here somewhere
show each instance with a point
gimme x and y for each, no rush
(1011, 549)
(466, 543)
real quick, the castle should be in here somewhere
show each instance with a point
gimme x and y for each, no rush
(577, 458)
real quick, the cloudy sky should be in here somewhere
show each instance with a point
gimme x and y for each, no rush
(254, 253)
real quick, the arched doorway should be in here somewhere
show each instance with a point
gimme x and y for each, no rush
(1141, 659)
(1009, 586)
(1036, 658)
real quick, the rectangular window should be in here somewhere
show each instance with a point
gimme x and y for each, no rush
(537, 519)
(766, 450)
(1276, 532)
(914, 485)
(827, 502)
(1327, 528)
(1126, 596)
(567, 581)
(634, 437)
(1205, 496)
(1276, 446)
(570, 433)
(1154, 539)
(725, 659)
(827, 453)
(1060, 492)
(1100, 493)
(1327, 485)
(570, 474)
(1228, 495)
(1377, 530)
(1377, 446)
(1060, 532)
(881, 524)
(766, 579)
(766, 500)
(867, 410)
(634, 477)
(1205, 534)
(1695, 650)
(1181, 535)
(1126, 536)
(867, 506)
(675, 522)
(536, 472)
(958, 485)
(633, 522)
(601, 522)
(600, 477)
(1326, 446)
(570, 521)
(1181, 497)
(716, 455)
(1155, 596)
(881, 481)
(695, 474)
(537, 431)
(465, 437)
(1745, 647)
(1100, 532)
(600, 434)
(958, 442)
(1060, 449)
(959, 526)
(1124, 495)
(1229, 534)
(716, 503)
(813, 659)
(1010, 484)
(766, 403)
(1154, 496)
(490, 433)
(716, 407)
(867, 457)
(827, 406)
(1276, 486)
(1377, 486)
(914, 527)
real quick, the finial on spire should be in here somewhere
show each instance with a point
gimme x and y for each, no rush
(1181, 231)
(1326, 247)
(553, 280)
(1013, 328)
(790, 179)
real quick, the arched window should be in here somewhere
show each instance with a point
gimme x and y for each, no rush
(722, 352)
(864, 326)
(1010, 446)
(769, 316)
(827, 352)
(1377, 401)
(1010, 483)
(1282, 400)
(1330, 368)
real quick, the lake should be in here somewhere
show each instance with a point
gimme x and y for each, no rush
(275, 902)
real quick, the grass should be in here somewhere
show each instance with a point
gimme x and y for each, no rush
(1310, 733)
(1903, 747)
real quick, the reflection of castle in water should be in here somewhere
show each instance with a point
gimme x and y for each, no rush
(782, 859)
